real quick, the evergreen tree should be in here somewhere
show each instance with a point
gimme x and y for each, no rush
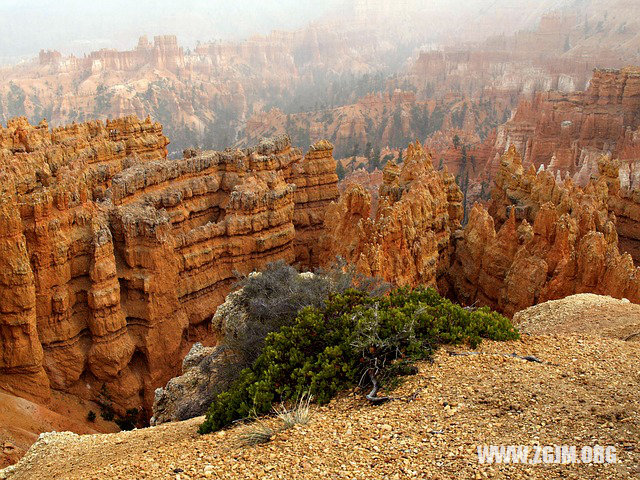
(368, 151)
(375, 159)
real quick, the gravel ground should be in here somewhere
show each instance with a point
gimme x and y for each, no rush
(584, 393)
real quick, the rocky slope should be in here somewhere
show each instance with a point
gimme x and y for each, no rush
(583, 393)
(586, 313)
(22, 421)
(115, 258)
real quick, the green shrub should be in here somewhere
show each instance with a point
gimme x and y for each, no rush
(107, 414)
(273, 298)
(334, 346)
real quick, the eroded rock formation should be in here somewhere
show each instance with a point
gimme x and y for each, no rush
(568, 132)
(115, 258)
(407, 239)
(544, 239)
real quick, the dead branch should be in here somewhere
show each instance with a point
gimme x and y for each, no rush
(528, 358)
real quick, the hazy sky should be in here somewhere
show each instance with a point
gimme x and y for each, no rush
(77, 26)
(80, 26)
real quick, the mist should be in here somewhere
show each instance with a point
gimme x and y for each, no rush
(78, 26)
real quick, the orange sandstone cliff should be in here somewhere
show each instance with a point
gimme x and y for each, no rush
(407, 239)
(568, 132)
(542, 239)
(114, 258)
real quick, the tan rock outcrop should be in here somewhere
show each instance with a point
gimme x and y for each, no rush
(316, 187)
(115, 258)
(407, 240)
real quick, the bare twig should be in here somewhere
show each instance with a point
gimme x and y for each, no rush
(372, 396)
(528, 358)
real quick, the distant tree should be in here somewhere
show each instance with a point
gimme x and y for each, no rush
(375, 159)
(463, 160)
(368, 127)
(436, 120)
(356, 150)
(103, 102)
(464, 186)
(397, 132)
(368, 151)
(340, 171)
(15, 100)
(456, 141)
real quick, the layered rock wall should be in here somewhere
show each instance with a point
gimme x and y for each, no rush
(117, 257)
(316, 187)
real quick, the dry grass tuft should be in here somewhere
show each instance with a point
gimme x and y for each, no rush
(256, 433)
(300, 414)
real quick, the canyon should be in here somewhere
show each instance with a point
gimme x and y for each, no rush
(543, 239)
(203, 95)
(501, 169)
(116, 257)
(382, 82)
(567, 132)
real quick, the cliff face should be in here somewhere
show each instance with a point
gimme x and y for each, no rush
(544, 239)
(316, 187)
(115, 257)
(53, 242)
(567, 132)
(407, 239)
